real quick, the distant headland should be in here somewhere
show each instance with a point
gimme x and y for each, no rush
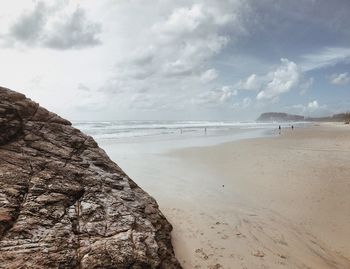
(280, 116)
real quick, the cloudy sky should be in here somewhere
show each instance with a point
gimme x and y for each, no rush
(183, 59)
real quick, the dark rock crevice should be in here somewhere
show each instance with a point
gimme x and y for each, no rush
(11, 125)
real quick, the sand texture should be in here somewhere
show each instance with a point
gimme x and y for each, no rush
(278, 202)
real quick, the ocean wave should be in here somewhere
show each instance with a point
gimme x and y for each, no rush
(137, 128)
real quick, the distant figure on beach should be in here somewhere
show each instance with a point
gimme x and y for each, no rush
(292, 127)
(205, 130)
(279, 129)
(181, 130)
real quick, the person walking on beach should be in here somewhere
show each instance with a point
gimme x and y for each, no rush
(292, 127)
(205, 130)
(279, 129)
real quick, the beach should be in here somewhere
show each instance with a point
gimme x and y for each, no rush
(280, 201)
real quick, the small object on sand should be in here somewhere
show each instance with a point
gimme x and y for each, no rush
(223, 185)
(282, 256)
(259, 254)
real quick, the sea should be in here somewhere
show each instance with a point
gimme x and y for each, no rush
(166, 128)
(169, 134)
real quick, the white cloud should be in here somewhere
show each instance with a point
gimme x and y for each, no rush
(176, 61)
(208, 75)
(312, 108)
(74, 31)
(313, 105)
(340, 79)
(54, 26)
(188, 38)
(29, 26)
(216, 97)
(251, 83)
(227, 93)
(324, 58)
(245, 103)
(179, 67)
(282, 80)
(185, 21)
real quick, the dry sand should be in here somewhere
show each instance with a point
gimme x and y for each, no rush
(278, 202)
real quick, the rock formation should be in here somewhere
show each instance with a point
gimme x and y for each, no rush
(65, 204)
(278, 116)
(284, 117)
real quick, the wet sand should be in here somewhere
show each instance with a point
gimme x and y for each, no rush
(279, 202)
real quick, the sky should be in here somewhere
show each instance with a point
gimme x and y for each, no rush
(178, 60)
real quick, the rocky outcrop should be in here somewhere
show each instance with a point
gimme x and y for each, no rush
(284, 117)
(65, 204)
(278, 116)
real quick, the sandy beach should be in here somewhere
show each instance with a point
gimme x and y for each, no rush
(271, 202)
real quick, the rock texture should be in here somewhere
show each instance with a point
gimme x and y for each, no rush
(65, 204)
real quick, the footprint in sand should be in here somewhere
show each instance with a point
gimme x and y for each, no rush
(241, 258)
(224, 237)
(282, 256)
(216, 266)
(280, 240)
(259, 253)
(239, 234)
(202, 254)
